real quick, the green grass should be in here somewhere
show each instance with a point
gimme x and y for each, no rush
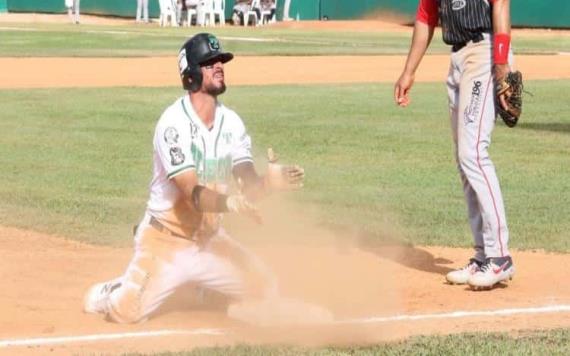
(48, 40)
(77, 162)
(555, 342)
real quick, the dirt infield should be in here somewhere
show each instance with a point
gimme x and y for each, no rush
(44, 277)
(106, 72)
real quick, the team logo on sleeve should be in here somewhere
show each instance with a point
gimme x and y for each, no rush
(176, 156)
(171, 136)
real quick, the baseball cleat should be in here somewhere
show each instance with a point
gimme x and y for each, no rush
(495, 270)
(462, 275)
(95, 300)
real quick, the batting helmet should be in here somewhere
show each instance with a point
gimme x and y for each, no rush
(200, 49)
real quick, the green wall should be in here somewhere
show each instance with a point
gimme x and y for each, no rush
(3, 6)
(126, 8)
(539, 13)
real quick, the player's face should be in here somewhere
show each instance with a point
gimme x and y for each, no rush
(213, 81)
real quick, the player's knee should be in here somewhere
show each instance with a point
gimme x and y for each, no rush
(466, 158)
(125, 305)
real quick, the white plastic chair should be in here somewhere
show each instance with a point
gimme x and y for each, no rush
(251, 12)
(205, 14)
(219, 10)
(266, 15)
(167, 13)
(192, 12)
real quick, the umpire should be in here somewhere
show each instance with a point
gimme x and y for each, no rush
(478, 32)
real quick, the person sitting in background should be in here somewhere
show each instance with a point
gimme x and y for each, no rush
(268, 6)
(182, 9)
(241, 7)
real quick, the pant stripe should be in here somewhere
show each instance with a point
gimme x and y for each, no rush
(483, 172)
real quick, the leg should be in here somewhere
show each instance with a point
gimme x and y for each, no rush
(76, 11)
(162, 264)
(476, 121)
(475, 218)
(463, 274)
(145, 10)
(258, 279)
(139, 10)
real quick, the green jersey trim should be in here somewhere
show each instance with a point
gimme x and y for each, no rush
(186, 110)
(218, 137)
(180, 170)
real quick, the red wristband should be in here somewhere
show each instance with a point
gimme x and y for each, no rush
(501, 44)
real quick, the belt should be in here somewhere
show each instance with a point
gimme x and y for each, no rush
(160, 227)
(456, 47)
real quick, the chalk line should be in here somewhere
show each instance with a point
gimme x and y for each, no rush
(459, 314)
(563, 308)
(106, 337)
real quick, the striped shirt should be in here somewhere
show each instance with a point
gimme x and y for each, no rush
(461, 20)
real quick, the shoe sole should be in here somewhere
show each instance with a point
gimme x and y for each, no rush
(455, 283)
(480, 288)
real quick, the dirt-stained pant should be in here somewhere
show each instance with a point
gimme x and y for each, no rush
(470, 88)
(162, 263)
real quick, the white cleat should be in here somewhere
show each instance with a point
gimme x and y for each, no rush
(462, 275)
(96, 298)
(495, 270)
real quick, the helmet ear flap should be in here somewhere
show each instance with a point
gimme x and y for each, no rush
(192, 78)
(195, 73)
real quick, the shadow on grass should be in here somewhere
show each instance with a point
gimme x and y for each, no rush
(405, 254)
(546, 126)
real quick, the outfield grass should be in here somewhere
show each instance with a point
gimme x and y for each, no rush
(48, 40)
(550, 343)
(77, 162)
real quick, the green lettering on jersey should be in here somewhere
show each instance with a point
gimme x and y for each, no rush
(211, 170)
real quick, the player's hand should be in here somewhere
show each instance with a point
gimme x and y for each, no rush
(282, 177)
(500, 71)
(402, 89)
(238, 203)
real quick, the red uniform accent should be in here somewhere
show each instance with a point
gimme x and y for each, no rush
(427, 12)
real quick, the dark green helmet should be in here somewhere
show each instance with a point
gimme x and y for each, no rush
(199, 50)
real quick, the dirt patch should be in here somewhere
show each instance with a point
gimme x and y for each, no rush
(108, 72)
(44, 279)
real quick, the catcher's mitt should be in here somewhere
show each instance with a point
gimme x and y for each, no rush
(510, 88)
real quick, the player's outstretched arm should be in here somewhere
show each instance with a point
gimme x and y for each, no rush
(278, 177)
(421, 39)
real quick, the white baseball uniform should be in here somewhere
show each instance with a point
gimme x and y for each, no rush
(472, 111)
(174, 243)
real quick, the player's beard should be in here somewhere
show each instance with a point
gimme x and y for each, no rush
(215, 90)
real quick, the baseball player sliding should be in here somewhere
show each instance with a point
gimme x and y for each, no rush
(479, 33)
(199, 144)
